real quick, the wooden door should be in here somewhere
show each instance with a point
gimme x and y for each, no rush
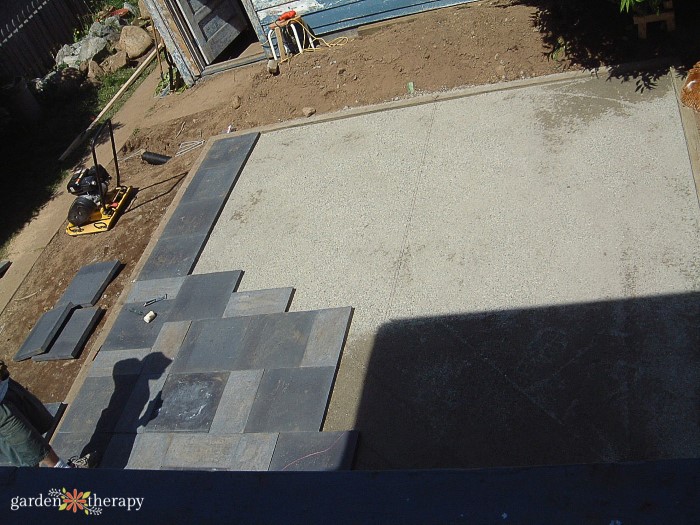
(214, 24)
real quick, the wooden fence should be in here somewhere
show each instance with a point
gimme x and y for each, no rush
(30, 40)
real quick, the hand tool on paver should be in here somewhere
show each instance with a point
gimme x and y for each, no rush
(155, 300)
(96, 208)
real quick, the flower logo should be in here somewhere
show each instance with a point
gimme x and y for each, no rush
(75, 501)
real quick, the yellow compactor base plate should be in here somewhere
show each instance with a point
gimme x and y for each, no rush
(101, 221)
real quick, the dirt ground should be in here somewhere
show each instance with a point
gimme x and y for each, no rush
(479, 43)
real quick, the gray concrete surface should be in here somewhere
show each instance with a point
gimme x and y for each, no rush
(523, 263)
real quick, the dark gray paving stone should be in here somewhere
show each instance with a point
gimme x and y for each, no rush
(44, 332)
(189, 403)
(149, 449)
(77, 444)
(142, 291)
(291, 400)
(4, 266)
(236, 402)
(314, 451)
(142, 403)
(221, 167)
(193, 218)
(327, 337)
(99, 404)
(173, 257)
(118, 362)
(88, 284)
(204, 296)
(221, 452)
(167, 345)
(258, 302)
(71, 340)
(118, 451)
(131, 331)
(245, 343)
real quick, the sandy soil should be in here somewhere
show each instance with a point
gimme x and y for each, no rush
(479, 43)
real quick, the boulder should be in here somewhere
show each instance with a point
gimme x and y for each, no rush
(67, 55)
(110, 29)
(94, 72)
(115, 62)
(135, 41)
(92, 48)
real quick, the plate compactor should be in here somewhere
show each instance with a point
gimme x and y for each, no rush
(96, 207)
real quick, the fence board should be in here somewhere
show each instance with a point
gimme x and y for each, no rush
(30, 40)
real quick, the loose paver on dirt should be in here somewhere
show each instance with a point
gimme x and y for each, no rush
(73, 335)
(89, 283)
(45, 331)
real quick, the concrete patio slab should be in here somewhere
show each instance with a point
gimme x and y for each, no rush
(491, 234)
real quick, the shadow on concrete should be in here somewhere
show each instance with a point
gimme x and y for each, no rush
(584, 383)
(593, 33)
(129, 400)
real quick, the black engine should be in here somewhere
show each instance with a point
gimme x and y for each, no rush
(90, 185)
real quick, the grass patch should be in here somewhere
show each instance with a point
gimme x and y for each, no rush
(32, 173)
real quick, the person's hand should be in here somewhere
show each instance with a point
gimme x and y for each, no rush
(4, 372)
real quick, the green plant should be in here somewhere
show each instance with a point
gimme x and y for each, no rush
(651, 6)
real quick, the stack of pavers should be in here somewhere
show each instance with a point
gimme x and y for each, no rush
(220, 379)
(61, 332)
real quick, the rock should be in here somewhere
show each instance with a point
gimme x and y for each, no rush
(92, 48)
(143, 10)
(131, 8)
(94, 72)
(308, 111)
(65, 52)
(135, 41)
(273, 67)
(110, 29)
(236, 102)
(115, 62)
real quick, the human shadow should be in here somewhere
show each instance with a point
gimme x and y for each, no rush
(133, 400)
(606, 381)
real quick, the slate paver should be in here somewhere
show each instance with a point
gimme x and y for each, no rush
(167, 345)
(44, 332)
(246, 343)
(88, 284)
(291, 400)
(141, 404)
(142, 291)
(221, 452)
(258, 302)
(314, 451)
(130, 330)
(327, 337)
(204, 296)
(77, 444)
(189, 403)
(193, 218)
(118, 362)
(118, 451)
(211, 345)
(56, 410)
(221, 167)
(236, 402)
(149, 449)
(99, 404)
(173, 257)
(72, 338)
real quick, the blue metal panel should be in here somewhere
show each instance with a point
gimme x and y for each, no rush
(336, 15)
